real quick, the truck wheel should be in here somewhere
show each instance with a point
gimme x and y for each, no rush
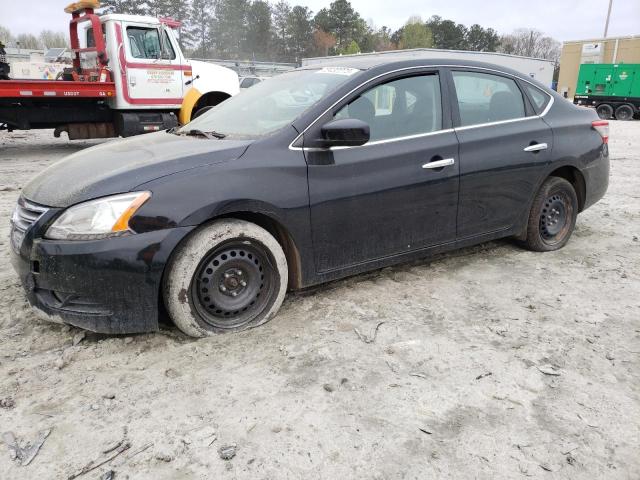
(200, 111)
(553, 216)
(604, 111)
(624, 112)
(227, 276)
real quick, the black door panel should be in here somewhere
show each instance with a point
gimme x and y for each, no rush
(373, 201)
(497, 175)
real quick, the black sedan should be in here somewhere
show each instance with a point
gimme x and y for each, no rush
(310, 176)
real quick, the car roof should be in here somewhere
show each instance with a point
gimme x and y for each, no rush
(389, 63)
(367, 63)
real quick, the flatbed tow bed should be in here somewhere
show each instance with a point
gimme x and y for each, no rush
(18, 89)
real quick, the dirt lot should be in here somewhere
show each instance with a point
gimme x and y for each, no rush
(492, 362)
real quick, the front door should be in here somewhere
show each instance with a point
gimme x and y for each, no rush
(388, 196)
(504, 148)
(153, 65)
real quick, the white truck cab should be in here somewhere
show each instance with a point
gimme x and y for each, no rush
(149, 68)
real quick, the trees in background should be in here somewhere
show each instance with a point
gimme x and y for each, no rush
(529, 42)
(415, 34)
(279, 31)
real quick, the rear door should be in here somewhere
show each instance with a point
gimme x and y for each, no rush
(153, 65)
(383, 198)
(504, 148)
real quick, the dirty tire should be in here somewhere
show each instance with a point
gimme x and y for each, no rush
(227, 276)
(604, 111)
(553, 216)
(624, 112)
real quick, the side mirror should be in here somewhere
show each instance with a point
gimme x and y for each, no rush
(347, 132)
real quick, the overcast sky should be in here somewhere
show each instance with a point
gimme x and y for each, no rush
(561, 19)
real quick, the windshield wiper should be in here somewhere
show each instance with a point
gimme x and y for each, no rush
(194, 132)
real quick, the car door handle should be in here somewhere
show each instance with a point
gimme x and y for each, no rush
(536, 147)
(445, 162)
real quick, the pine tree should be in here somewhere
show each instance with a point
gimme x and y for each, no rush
(281, 12)
(199, 28)
(258, 39)
(230, 26)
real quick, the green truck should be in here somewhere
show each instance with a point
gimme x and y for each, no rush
(612, 89)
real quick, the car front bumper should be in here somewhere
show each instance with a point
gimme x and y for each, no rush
(106, 286)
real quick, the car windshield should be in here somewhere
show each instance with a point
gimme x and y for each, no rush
(270, 104)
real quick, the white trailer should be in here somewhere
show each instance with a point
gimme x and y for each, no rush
(538, 68)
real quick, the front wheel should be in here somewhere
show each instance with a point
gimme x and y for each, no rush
(553, 216)
(225, 277)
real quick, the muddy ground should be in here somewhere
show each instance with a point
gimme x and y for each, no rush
(492, 363)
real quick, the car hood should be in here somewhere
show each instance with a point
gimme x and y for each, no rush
(121, 165)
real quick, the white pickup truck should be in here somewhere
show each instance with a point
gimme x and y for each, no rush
(129, 76)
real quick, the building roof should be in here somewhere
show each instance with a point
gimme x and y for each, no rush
(607, 39)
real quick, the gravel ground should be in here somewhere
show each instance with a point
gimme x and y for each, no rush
(491, 362)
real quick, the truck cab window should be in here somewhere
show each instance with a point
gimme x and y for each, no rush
(145, 43)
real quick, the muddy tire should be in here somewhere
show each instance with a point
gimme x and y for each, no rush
(553, 216)
(604, 111)
(227, 276)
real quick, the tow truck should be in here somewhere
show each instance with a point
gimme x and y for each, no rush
(128, 77)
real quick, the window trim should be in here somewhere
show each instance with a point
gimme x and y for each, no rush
(443, 70)
(535, 108)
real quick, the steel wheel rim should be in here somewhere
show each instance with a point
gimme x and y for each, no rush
(555, 218)
(233, 284)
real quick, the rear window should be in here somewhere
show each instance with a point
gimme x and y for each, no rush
(538, 97)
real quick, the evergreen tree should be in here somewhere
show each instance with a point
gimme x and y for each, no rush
(281, 12)
(258, 40)
(230, 26)
(199, 28)
(300, 32)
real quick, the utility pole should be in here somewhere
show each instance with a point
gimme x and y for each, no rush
(606, 25)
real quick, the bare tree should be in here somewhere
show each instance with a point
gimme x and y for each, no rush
(529, 42)
(50, 39)
(5, 35)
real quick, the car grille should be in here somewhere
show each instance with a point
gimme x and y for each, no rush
(23, 218)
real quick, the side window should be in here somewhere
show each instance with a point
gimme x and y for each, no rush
(90, 40)
(403, 107)
(539, 98)
(145, 43)
(484, 98)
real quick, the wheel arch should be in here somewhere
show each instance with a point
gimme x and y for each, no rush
(281, 234)
(575, 177)
(195, 100)
(276, 228)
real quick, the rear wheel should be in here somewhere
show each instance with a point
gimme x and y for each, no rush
(228, 276)
(604, 111)
(553, 216)
(624, 112)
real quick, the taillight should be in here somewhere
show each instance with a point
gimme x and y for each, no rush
(602, 127)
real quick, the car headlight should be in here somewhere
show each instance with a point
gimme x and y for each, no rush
(102, 218)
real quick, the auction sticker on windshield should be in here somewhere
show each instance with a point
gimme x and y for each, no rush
(338, 70)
